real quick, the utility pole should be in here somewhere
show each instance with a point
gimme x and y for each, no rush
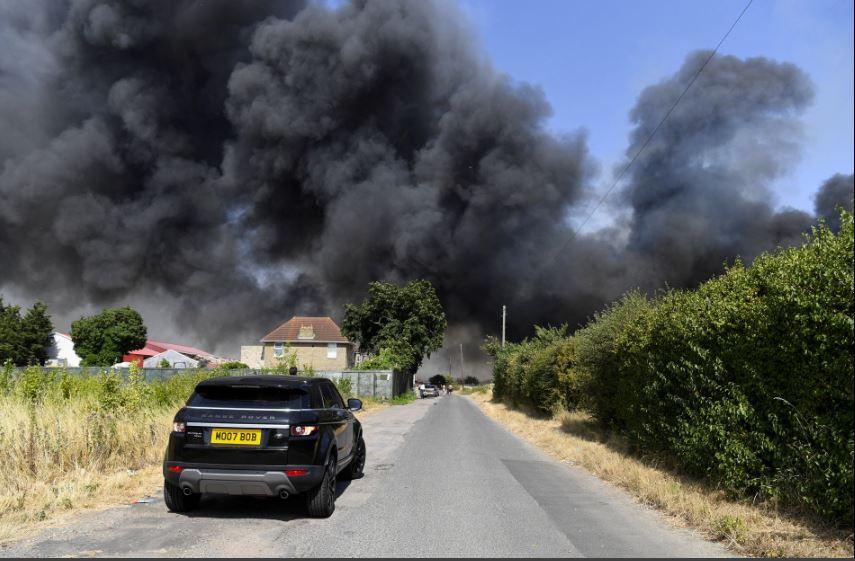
(504, 321)
(461, 361)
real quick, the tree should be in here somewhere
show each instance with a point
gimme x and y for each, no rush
(437, 380)
(163, 363)
(471, 381)
(38, 333)
(11, 340)
(102, 339)
(407, 322)
(24, 340)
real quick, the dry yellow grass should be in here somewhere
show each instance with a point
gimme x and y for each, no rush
(757, 530)
(370, 406)
(58, 459)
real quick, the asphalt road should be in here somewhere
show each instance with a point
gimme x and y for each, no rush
(441, 480)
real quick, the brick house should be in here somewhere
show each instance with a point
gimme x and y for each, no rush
(316, 341)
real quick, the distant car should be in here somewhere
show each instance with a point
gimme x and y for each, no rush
(429, 390)
(263, 435)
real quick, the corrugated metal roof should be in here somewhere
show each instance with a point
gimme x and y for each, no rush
(184, 349)
(156, 347)
(306, 329)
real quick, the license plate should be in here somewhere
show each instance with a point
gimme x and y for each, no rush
(242, 437)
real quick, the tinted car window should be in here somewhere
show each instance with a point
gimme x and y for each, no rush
(243, 396)
(331, 397)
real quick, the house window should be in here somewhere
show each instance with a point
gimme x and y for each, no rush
(278, 350)
(332, 350)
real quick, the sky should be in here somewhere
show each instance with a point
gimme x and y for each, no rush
(592, 59)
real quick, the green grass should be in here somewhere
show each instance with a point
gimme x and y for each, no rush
(403, 399)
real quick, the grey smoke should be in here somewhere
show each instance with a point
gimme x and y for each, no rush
(837, 191)
(223, 165)
(700, 193)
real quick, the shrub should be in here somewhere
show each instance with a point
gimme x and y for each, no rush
(746, 381)
(34, 384)
(386, 359)
(537, 372)
(233, 365)
(345, 387)
(597, 362)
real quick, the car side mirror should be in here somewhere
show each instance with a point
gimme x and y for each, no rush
(354, 404)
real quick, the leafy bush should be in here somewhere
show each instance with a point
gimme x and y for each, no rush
(599, 383)
(746, 381)
(345, 387)
(34, 384)
(537, 372)
(385, 359)
(233, 365)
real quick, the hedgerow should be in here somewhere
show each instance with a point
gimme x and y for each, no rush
(746, 381)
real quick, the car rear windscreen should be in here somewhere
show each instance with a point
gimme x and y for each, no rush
(250, 396)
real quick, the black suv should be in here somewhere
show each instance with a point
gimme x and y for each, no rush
(263, 435)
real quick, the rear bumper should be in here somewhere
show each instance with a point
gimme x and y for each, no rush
(226, 481)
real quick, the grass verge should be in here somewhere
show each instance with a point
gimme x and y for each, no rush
(61, 458)
(746, 529)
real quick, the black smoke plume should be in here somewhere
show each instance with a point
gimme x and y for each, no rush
(223, 165)
(836, 192)
(700, 193)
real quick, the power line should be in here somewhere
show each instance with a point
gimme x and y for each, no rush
(608, 192)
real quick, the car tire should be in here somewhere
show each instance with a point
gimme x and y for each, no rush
(355, 469)
(177, 501)
(320, 501)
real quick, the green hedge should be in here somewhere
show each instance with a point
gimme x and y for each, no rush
(107, 390)
(746, 381)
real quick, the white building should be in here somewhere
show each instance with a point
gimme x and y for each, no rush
(174, 358)
(61, 351)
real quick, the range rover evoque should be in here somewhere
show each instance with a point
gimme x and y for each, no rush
(263, 435)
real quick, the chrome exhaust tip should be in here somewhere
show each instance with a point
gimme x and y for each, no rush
(283, 494)
(187, 490)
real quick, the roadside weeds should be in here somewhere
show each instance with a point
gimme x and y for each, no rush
(746, 529)
(57, 493)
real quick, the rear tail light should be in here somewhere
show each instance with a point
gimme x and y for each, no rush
(303, 430)
(175, 469)
(296, 472)
(179, 427)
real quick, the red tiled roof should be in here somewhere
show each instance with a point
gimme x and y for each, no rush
(324, 330)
